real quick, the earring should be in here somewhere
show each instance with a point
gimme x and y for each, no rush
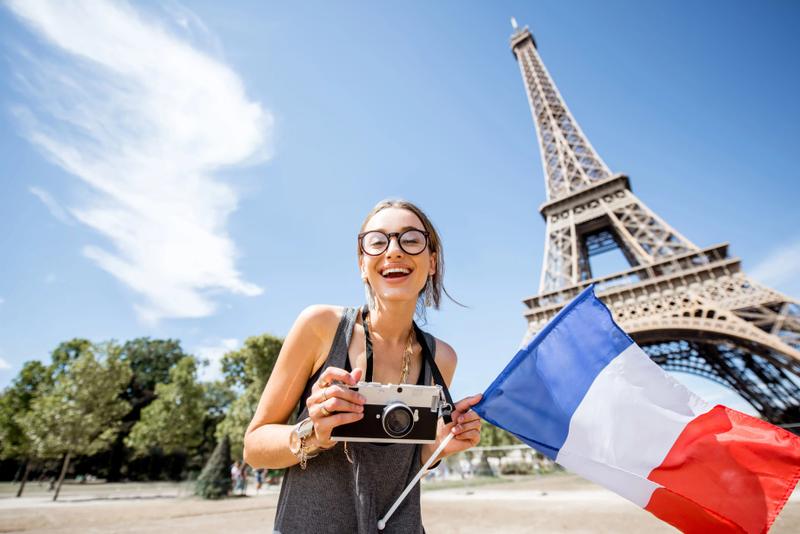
(369, 296)
(429, 291)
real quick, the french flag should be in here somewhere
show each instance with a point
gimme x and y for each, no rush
(584, 394)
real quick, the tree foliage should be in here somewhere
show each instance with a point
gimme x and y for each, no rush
(134, 410)
(33, 379)
(247, 370)
(82, 410)
(173, 422)
(253, 363)
(492, 436)
(66, 353)
(151, 361)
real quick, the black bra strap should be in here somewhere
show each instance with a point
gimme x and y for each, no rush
(427, 356)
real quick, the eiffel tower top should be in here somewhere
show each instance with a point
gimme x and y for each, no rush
(569, 161)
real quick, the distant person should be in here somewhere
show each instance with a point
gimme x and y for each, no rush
(259, 479)
(332, 487)
(241, 485)
(236, 475)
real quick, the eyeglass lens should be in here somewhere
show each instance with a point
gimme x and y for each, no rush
(411, 241)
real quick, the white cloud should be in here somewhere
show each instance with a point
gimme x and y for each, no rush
(781, 269)
(145, 120)
(53, 207)
(4, 364)
(213, 355)
(2, 300)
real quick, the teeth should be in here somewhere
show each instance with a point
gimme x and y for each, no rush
(395, 270)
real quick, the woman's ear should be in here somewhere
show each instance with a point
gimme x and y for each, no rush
(432, 267)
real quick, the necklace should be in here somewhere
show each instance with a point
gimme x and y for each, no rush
(409, 350)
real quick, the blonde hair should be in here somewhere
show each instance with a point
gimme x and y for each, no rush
(431, 294)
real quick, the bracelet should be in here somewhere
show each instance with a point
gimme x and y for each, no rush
(304, 454)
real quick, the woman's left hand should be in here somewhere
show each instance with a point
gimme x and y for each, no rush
(466, 427)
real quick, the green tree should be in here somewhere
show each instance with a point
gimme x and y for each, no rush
(150, 360)
(492, 436)
(173, 422)
(214, 481)
(247, 370)
(81, 413)
(15, 401)
(66, 352)
(253, 363)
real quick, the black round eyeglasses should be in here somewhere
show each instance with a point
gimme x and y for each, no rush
(375, 242)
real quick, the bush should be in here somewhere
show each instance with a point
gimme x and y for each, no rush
(214, 481)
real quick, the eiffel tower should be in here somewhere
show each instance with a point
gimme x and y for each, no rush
(691, 309)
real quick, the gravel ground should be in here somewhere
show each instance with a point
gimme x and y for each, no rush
(556, 503)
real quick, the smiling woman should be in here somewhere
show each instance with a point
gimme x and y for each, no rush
(336, 486)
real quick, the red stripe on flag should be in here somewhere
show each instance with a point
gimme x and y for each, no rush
(726, 472)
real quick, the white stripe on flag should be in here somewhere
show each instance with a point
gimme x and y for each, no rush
(627, 423)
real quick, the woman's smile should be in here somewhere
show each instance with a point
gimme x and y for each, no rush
(395, 273)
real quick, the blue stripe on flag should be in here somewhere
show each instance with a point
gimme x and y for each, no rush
(535, 396)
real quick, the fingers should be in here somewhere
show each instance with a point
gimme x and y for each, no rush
(324, 425)
(334, 404)
(337, 405)
(334, 392)
(467, 426)
(468, 402)
(473, 436)
(336, 374)
(356, 374)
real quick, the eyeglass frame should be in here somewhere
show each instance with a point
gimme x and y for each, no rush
(397, 236)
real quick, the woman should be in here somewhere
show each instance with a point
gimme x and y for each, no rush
(336, 487)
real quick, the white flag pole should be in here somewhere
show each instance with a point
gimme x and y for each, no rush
(442, 445)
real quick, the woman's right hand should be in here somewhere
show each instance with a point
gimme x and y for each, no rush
(333, 404)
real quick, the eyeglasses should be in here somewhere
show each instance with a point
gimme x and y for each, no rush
(375, 242)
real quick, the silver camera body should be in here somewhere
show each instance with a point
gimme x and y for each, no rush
(395, 413)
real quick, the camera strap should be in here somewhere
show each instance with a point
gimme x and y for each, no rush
(427, 356)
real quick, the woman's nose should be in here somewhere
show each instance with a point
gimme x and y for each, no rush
(394, 247)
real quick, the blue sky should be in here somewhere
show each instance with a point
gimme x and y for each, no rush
(200, 171)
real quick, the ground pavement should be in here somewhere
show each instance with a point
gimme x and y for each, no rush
(555, 503)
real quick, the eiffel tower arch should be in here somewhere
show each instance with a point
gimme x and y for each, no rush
(692, 309)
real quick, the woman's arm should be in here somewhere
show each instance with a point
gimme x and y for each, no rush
(266, 442)
(466, 424)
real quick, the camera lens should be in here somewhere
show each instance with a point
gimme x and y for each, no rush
(398, 420)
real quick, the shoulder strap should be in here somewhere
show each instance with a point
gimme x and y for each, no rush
(426, 340)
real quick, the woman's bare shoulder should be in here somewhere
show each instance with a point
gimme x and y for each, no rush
(446, 358)
(320, 319)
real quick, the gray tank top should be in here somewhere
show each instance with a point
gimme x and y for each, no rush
(334, 496)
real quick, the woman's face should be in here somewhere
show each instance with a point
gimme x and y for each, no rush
(396, 275)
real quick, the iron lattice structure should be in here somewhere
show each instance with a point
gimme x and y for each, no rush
(692, 310)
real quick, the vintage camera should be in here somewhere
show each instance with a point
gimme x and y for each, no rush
(395, 413)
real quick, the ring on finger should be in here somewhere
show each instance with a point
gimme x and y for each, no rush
(324, 394)
(325, 412)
